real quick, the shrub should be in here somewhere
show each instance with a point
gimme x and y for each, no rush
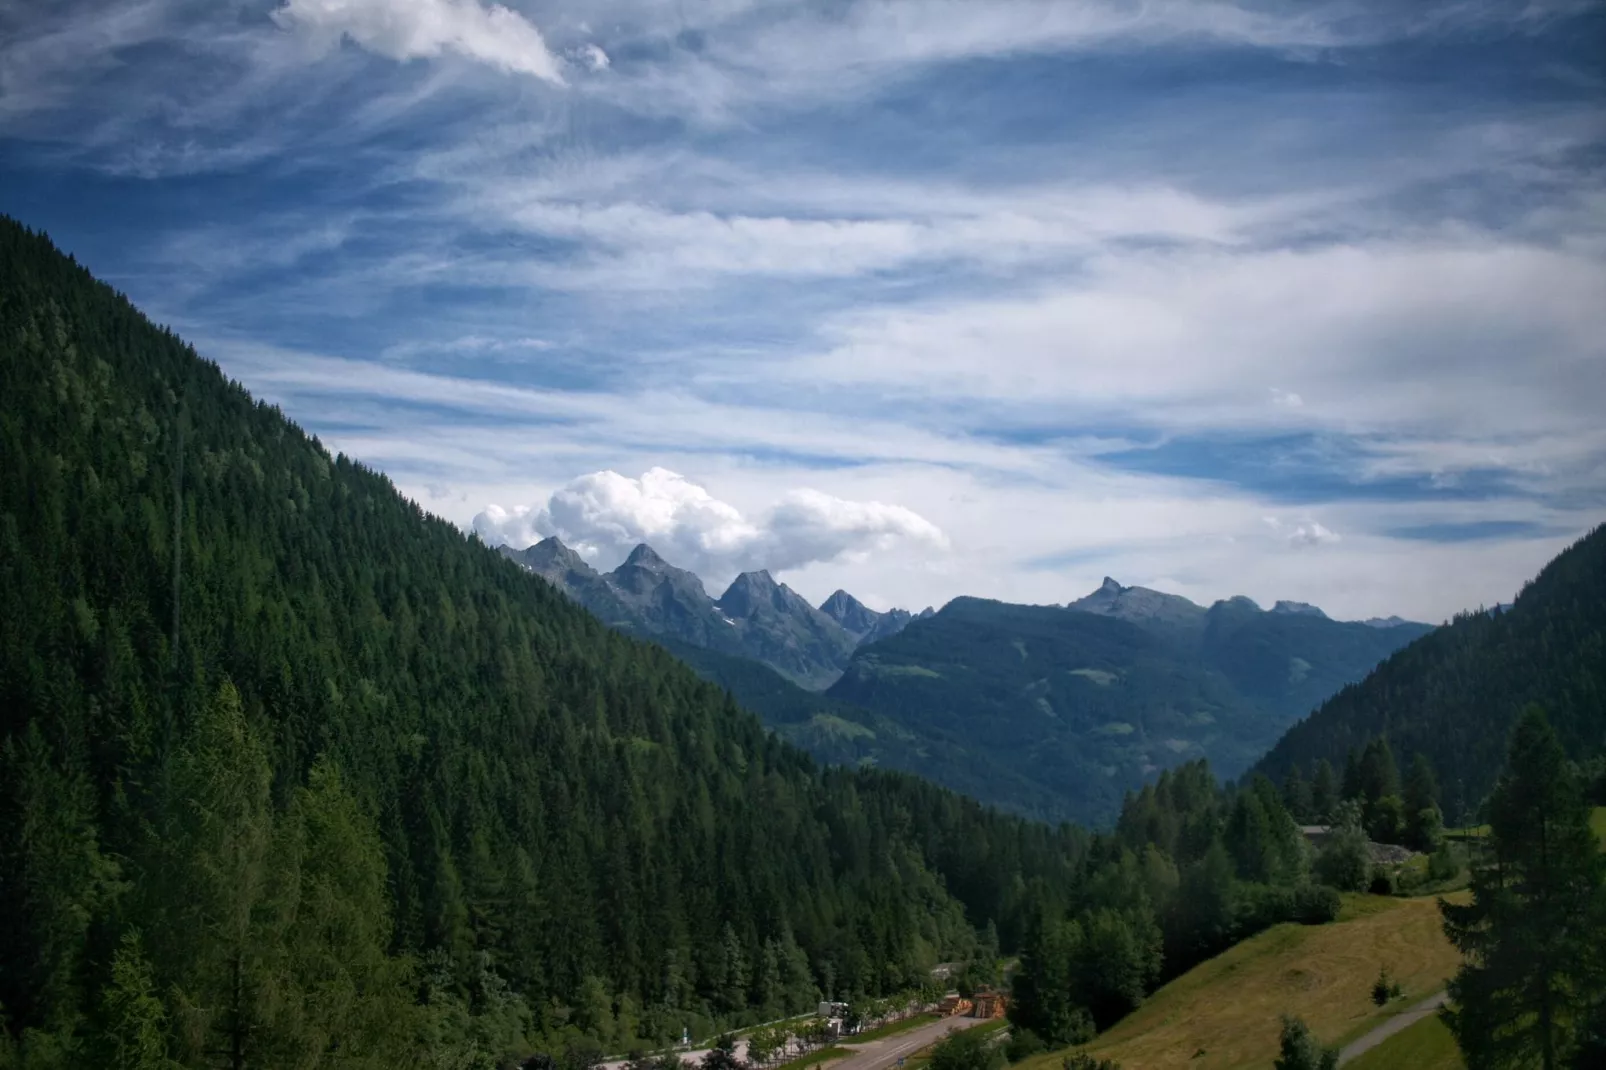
(1300, 1051)
(1344, 863)
(1316, 904)
(1023, 1044)
(967, 1050)
(1445, 863)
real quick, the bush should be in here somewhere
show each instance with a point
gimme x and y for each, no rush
(1344, 863)
(1300, 1051)
(1445, 863)
(967, 1050)
(1023, 1044)
(1316, 904)
(1261, 906)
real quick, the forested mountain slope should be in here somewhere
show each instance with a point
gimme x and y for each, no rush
(1453, 695)
(1086, 703)
(840, 733)
(283, 758)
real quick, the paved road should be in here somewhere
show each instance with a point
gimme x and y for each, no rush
(1403, 1020)
(880, 1054)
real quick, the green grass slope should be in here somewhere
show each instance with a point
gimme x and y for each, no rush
(1224, 1013)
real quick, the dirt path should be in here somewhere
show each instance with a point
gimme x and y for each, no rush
(1403, 1020)
(880, 1054)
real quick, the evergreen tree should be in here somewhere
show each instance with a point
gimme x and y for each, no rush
(1297, 795)
(1424, 822)
(1299, 1050)
(1530, 934)
(1323, 792)
(222, 929)
(1353, 786)
(136, 1020)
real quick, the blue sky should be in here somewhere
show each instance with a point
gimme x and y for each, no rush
(915, 297)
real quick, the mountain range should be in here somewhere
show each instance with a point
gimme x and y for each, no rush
(1089, 700)
(755, 618)
(1051, 711)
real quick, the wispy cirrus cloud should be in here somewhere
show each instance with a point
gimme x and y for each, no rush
(1088, 288)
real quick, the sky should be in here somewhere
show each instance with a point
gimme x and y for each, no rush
(917, 298)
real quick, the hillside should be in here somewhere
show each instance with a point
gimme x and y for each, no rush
(283, 755)
(1223, 1014)
(840, 733)
(1454, 695)
(1089, 701)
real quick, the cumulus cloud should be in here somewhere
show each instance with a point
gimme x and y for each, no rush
(417, 29)
(604, 514)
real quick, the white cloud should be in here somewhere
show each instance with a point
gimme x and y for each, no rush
(604, 515)
(594, 57)
(1312, 534)
(417, 29)
(1304, 533)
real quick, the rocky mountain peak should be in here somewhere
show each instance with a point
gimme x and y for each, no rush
(858, 618)
(749, 591)
(1301, 608)
(644, 556)
(1109, 586)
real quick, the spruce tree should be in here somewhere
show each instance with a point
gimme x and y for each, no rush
(1530, 934)
(1323, 792)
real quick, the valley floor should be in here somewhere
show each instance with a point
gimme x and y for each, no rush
(1224, 1014)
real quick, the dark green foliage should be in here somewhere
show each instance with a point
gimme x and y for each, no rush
(1301, 1051)
(1531, 981)
(1343, 861)
(1323, 792)
(840, 733)
(1385, 988)
(1316, 904)
(1454, 694)
(1297, 797)
(1023, 1044)
(361, 785)
(1057, 697)
(967, 1049)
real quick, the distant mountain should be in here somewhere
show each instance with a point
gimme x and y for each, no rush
(864, 624)
(1454, 694)
(1140, 605)
(1044, 710)
(755, 618)
(779, 628)
(1087, 701)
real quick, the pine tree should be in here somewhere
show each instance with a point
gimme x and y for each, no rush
(222, 793)
(1424, 822)
(1299, 1050)
(1297, 795)
(136, 1027)
(1529, 935)
(1323, 792)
